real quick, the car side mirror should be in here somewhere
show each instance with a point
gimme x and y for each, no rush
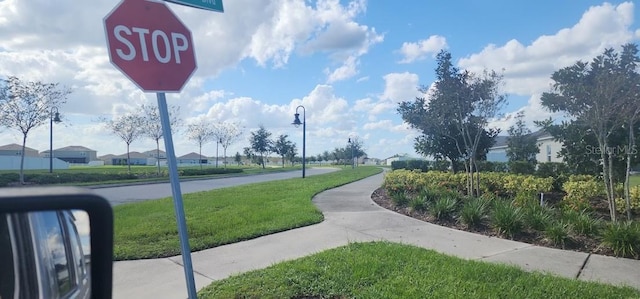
(45, 229)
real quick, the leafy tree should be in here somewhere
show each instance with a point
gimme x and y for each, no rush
(261, 143)
(238, 158)
(28, 105)
(282, 147)
(152, 125)
(454, 120)
(200, 132)
(227, 134)
(326, 156)
(521, 145)
(129, 128)
(291, 154)
(354, 149)
(594, 96)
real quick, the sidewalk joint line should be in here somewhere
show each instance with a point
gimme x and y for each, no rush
(584, 264)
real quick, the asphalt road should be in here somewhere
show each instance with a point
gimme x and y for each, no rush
(134, 193)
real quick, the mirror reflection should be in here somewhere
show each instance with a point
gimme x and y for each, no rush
(45, 254)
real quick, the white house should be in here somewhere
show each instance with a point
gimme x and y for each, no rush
(549, 148)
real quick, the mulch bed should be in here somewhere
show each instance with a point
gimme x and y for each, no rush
(579, 243)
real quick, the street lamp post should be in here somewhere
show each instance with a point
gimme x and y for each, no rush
(296, 122)
(352, 160)
(54, 115)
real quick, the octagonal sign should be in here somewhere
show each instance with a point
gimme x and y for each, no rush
(150, 45)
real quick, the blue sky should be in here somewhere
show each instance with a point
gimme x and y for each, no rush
(348, 62)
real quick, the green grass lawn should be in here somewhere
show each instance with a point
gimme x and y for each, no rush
(634, 180)
(387, 270)
(148, 229)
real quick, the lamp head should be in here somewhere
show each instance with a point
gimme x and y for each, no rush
(56, 117)
(296, 122)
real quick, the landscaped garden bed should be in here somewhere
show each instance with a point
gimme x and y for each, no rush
(574, 218)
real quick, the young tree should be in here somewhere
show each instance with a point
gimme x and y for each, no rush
(238, 158)
(454, 120)
(261, 143)
(200, 132)
(152, 126)
(521, 145)
(28, 105)
(227, 134)
(282, 147)
(291, 154)
(594, 95)
(128, 127)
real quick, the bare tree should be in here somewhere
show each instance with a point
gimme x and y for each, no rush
(201, 132)
(28, 105)
(128, 127)
(152, 127)
(228, 133)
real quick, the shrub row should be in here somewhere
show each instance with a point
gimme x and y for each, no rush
(7, 179)
(507, 218)
(501, 184)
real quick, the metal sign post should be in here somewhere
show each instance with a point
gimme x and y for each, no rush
(185, 249)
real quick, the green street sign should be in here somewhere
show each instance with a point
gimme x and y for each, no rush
(214, 5)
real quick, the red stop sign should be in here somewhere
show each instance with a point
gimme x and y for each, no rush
(150, 45)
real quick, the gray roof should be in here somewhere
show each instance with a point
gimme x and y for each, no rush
(75, 148)
(192, 155)
(14, 147)
(132, 155)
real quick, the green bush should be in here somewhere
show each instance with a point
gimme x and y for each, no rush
(400, 198)
(559, 171)
(398, 165)
(558, 233)
(491, 166)
(623, 238)
(473, 212)
(440, 165)
(537, 217)
(582, 222)
(430, 195)
(8, 178)
(521, 167)
(507, 219)
(444, 207)
(418, 204)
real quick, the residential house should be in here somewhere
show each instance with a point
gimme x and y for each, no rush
(136, 158)
(73, 154)
(396, 157)
(192, 158)
(16, 150)
(549, 148)
(156, 156)
(108, 159)
(10, 159)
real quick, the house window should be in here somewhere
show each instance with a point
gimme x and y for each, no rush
(548, 153)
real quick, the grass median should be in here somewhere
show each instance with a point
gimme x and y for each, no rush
(148, 229)
(388, 270)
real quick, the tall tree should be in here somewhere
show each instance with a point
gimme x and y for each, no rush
(282, 146)
(152, 126)
(128, 127)
(454, 120)
(28, 105)
(594, 95)
(238, 158)
(200, 132)
(521, 145)
(228, 133)
(261, 143)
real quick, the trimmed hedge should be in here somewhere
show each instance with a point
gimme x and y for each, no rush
(7, 179)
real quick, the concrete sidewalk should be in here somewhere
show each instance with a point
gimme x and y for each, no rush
(351, 216)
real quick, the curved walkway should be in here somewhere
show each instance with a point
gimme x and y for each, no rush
(351, 216)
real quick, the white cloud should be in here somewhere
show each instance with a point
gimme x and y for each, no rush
(346, 71)
(420, 50)
(528, 68)
(400, 87)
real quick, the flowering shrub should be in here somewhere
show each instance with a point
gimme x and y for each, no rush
(634, 197)
(579, 190)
